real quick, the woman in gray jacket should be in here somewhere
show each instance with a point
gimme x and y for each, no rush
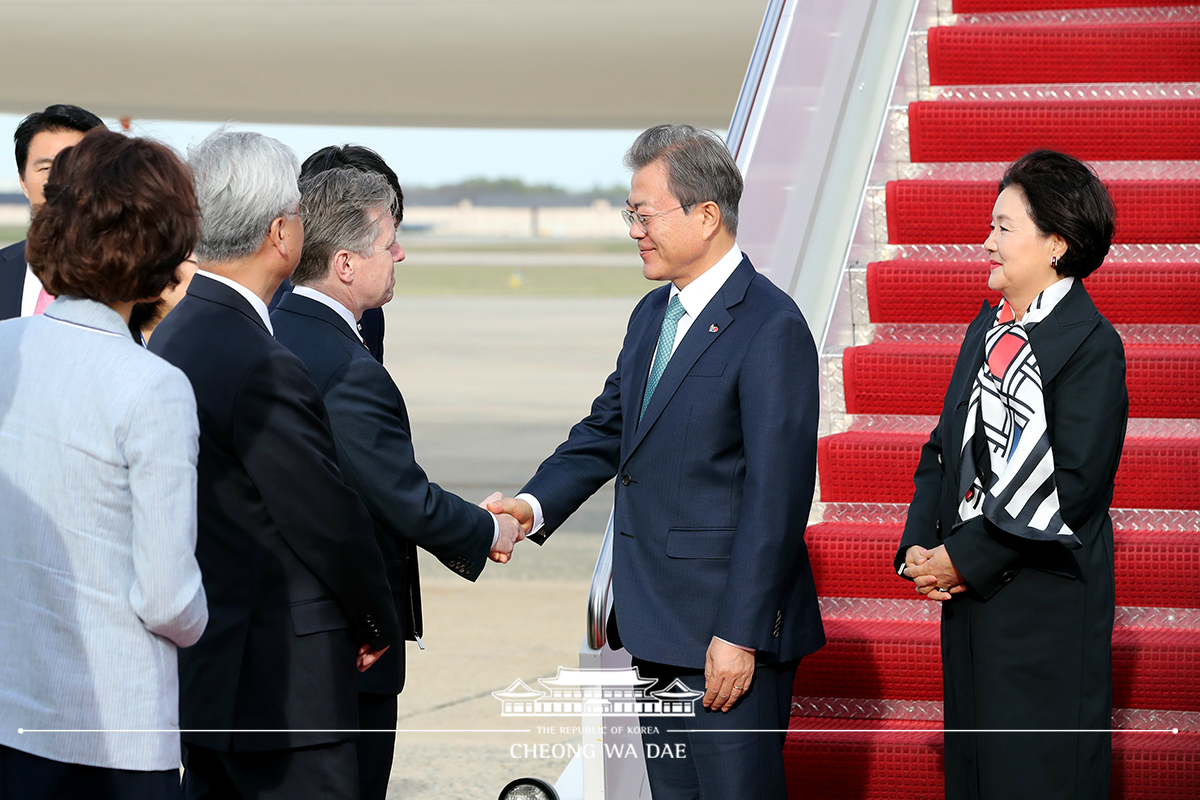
(98, 440)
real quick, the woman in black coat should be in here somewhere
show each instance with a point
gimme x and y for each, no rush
(1009, 527)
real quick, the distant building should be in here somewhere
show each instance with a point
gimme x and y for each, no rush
(490, 211)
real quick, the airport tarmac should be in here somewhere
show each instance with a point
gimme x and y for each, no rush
(519, 259)
(492, 385)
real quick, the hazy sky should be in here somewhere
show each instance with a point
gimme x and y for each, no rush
(421, 156)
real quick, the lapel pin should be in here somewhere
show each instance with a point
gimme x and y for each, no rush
(713, 329)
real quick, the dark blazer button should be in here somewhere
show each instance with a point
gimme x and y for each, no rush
(1009, 576)
(626, 480)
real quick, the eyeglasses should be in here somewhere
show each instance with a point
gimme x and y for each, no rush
(633, 217)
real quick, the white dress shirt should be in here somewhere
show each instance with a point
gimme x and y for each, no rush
(695, 296)
(30, 292)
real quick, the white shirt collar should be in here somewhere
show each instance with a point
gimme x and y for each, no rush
(254, 300)
(321, 297)
(695, 295)
(30, 291)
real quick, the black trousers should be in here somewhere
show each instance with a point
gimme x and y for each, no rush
(28, 777)
(376, 712)
(324, 772)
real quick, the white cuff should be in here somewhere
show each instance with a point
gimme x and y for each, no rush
(738, 646)
(538, 522)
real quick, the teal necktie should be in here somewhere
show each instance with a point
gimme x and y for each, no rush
(666, 341)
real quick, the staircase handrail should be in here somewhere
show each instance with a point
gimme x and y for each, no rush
(600, 594)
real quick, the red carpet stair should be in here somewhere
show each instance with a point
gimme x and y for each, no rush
(1120, 88)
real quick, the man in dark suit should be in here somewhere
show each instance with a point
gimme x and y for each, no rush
(709, 423)
(296, 585)
(363, 159)
(38, 139)
(14, 272)
(350, 250)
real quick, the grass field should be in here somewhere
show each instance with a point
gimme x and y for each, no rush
(572, 246)
(540, 281)
(586, 269)
(12, 233)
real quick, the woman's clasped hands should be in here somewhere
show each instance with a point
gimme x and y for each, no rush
(933, 572)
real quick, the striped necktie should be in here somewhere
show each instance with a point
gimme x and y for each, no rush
(666, 343)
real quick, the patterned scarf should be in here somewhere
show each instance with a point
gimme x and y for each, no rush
(1007, 461)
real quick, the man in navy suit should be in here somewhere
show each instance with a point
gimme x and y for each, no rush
(297, 589)
(709, 424)
(364, 159)
(38, 139)
(350, 250)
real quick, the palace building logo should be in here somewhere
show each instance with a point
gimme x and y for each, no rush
(597, 692)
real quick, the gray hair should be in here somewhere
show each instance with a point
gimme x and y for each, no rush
(244, 181)
(337, 207)
(699, 167)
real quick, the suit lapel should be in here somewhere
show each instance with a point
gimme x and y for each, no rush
(973, 348)
(217, 292)
(636, 370)
(307, 307)
(1058, 336)
(712, 323)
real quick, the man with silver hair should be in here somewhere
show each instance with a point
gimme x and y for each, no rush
(298, 595)
(348, 266)
(709, 424)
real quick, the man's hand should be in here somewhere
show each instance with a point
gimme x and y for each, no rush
(934, 573)
(367, 656)
(511, 532)
(728, 671)
(519, 509)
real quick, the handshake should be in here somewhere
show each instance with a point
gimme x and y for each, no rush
(516, 520)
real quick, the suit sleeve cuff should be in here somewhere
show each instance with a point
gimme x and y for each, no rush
(986, 563)
(733, 644)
